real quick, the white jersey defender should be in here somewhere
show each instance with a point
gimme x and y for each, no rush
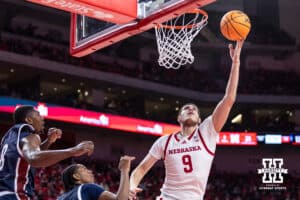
(187, 161)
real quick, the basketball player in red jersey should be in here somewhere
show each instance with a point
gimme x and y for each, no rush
(188, 154)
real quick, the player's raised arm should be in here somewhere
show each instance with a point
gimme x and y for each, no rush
(123, 191)
(223, 108)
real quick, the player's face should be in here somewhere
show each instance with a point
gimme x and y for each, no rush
(36, 120)
(189, 115)
(84, 175)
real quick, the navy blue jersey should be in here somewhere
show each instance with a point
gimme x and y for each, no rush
(16, 175)
(83, 192)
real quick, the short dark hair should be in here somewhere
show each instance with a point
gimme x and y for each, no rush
(67, 177)
(21, 113)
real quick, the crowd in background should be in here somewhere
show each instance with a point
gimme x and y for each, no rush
(51, 47)
(221, 185)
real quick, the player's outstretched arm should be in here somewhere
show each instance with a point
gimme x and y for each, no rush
(138, 174)
(123, 191)
(221, 112)
(30, 147)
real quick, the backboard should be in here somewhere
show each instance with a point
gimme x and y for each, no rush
(90, 34)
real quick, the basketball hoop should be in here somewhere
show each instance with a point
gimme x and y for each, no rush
(174, 38)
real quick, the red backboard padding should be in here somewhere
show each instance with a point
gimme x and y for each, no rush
(115, 11)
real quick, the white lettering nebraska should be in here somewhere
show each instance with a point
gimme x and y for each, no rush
(184, 150)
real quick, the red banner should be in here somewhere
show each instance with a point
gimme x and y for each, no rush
(134, 125)
(104, 120)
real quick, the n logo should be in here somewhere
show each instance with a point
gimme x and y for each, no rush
(272, 170)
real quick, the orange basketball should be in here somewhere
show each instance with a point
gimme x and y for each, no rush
(235, 25)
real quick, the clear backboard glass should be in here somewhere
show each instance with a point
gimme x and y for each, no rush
(89, 34)
(87, 26)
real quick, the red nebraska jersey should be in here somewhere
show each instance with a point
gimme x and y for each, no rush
(187, 161)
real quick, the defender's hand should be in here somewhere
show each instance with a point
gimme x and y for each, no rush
(125, 162)
(85, 147)
(54, 134)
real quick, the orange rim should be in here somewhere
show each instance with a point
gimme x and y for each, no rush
(194, 11)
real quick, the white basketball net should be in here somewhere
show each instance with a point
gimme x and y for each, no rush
(174, 44)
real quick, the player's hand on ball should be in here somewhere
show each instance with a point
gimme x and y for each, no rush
(54, 134)
(235, 52)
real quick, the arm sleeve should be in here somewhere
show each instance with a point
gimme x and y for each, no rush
(91, 191)
(157, 149)
(209, 133)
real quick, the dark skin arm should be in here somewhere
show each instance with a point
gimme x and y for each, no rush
(45, 144)
(30, 147)
(53, 135)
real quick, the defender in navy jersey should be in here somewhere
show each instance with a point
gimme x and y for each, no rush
(16, 174)
(21, 150)
(79, 183)
(188, 154)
